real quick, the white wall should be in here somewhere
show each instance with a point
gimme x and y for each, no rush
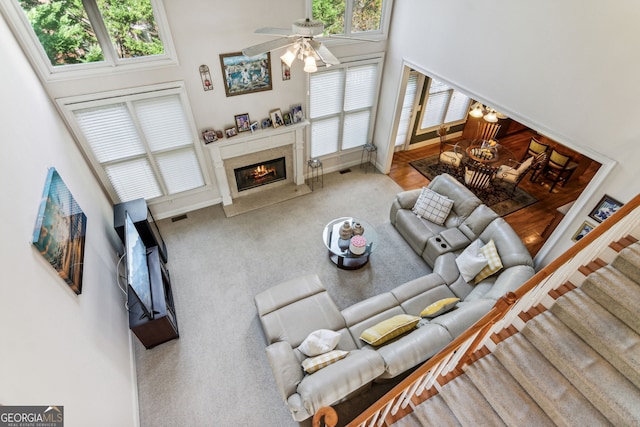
(57, 347)
(567, 69)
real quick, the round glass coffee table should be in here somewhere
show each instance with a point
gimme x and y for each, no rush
(339, 251)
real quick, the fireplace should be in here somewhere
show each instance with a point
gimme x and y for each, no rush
(259, 174)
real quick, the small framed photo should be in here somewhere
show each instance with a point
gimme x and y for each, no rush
(254, 126)
(276, 118)
(242, 122)
(231, 132)
(584, 229)
(296, 113)
(266, 123)
(209, 136)
(606, 207)
(287, 118)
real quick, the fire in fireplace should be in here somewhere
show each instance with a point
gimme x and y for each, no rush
(260, 174)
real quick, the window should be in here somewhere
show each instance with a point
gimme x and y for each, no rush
(443, 105)
(352, 17)
(141, 145)
(76, 35)
(342, 103)
(404, 125)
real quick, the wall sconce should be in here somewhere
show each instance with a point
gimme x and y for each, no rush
(205, 76)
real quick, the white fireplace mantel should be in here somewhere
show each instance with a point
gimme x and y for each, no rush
(260, 140)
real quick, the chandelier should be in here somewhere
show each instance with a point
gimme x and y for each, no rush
(487, 113)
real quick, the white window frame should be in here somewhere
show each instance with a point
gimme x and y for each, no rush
(21, 27)
(381, 34)
(70, 104)
(423, 109)
(347, 63)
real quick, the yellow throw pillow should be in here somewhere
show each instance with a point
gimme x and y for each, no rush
(495, 263)
(313, 364)
(439, 307)
(389, 329)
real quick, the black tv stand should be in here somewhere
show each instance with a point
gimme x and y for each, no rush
(163, 326)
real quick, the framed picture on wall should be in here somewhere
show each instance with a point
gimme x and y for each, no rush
(606, 207)
(584, 229)
(243, 74)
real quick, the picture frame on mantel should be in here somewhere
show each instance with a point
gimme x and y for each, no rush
(243, 74)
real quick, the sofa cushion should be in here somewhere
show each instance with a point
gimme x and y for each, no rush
(439, 307)
(338, 380)
(413, 348)
(477, 221)
(464, 201)
(432, 206)
(494, 263)
(319, 342)
(389, 329)
(286, 368)
(313, 364)
(471, 261)
(466, 314)
(279, 309)
(416, 230)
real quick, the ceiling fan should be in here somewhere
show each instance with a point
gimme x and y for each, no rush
(302, 42)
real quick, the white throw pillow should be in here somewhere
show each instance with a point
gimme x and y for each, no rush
(432, 206)
(319, 342)
(471, 261)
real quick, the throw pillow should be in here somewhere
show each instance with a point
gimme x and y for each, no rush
(439, 307)
(432, 206)
(313, 364)
(318, 342)
(494, 263)
(471, 261)
(389, 329)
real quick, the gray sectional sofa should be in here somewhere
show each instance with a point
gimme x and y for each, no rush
(290, 311)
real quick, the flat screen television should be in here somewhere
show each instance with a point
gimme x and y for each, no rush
(137, 268)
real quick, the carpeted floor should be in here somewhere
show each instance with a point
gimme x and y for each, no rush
(500, 198)
(217, 373)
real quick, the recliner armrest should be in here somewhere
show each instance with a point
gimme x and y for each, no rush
(286, 368)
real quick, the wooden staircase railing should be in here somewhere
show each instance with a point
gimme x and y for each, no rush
(507, 317)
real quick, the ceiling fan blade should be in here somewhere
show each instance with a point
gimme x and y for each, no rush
(274, 31)
(341, 37)
(268, 46)
(325, 55)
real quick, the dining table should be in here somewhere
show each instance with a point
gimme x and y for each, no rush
(482, 160)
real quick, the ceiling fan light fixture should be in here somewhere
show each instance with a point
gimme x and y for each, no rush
(310, 64)
(288, 57)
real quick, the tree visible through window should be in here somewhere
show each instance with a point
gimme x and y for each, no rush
(361, 15)
(72, 34)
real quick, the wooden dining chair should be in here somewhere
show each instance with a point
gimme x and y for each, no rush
(486, 130)
(448, 156)
(514, 172)
(535, 149)
(559, 168)
(478, 176)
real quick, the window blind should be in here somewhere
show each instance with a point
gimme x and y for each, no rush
(341, 107)
(407, 108)
(144, 145)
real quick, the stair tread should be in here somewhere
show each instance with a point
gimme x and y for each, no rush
(467, 403)
(628, 262)
(510, 401)
(606, 388)
(409, 420)
(603, 331)
(617, 293)
(561, 401)
(435, 412)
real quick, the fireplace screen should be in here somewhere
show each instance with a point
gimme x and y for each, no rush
(260, 174)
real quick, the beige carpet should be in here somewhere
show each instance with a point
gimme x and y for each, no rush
(217, 374)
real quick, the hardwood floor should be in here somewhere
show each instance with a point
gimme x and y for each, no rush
(530, 223)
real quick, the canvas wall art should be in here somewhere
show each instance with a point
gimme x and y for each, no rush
(60, 229)
(243, 74)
